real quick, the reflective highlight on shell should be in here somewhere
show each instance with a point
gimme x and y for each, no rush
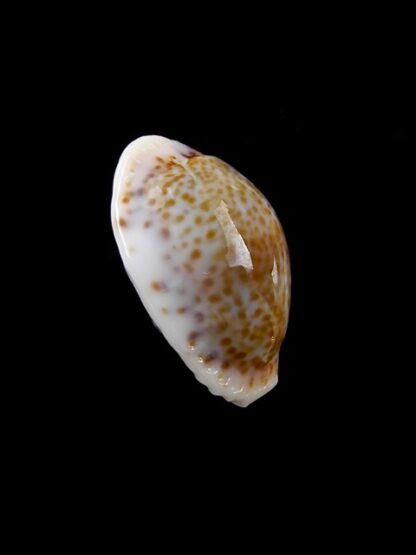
(208, 258)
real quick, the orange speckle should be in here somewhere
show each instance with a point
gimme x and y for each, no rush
(195, 254)
(188, 198)
(227, 290)
(244, 276)
(165, 232)
(209, 358)
(220, 254)
(197, 240)
(166, 215)
(257, 312)
(198, 220)
(197, 299)
(226, 341)
(147, 224)
(214, 298)
(158, 286)
(122, 222)
(192, 338)
(180, 218)
(152, 202)
(171, 202)
(125, 199)
(204, 206)
(225, 365)
(257, 362)
(245, 332)
(208, 282)
(188, 267)
(238, 301)
(211, 233)
(181, 310)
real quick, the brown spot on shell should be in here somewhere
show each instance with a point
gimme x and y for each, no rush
(158, 286)
(205, 206)
(195, 254)
(208, 282)
(225, 341)
(199, 317)
(188, 198)
(192, 337)
(122, 222)
(191, 154)
(209, 358)
(165, 232)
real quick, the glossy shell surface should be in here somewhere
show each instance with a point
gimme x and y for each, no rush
(208, 258)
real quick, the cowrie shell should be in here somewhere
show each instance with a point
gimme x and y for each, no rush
(208, 258)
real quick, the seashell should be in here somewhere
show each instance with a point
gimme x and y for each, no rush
(208, 258)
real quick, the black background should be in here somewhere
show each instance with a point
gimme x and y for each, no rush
(325, 131)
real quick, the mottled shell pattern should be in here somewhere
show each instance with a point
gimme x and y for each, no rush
(208, 258)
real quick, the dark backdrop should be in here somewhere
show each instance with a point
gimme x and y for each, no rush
(328, 144)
